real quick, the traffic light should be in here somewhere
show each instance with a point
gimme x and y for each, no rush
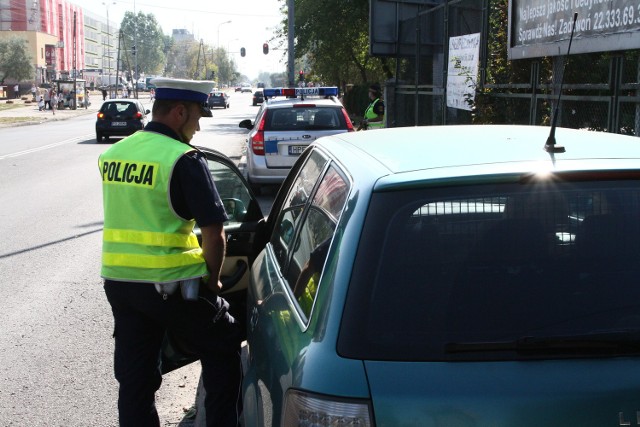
(133, 50)
(265, 48)
(243, 51)
(301, 76)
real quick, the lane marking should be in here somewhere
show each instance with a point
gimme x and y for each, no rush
(46, 147)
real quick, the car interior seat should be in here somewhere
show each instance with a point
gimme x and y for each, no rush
(324, 118)
(285, 119)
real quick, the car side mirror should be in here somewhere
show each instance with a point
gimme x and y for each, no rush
(246, 124)
(235, 209)
(147, 111)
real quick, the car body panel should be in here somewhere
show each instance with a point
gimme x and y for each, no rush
(292, 350)
(290, 126)
(218, 99)
(258, 97)
(476, 145)
(501, 394)
(117, 117)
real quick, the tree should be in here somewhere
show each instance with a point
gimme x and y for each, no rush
(489, 108)
(340, 55)
(15, 62)
(182, 59)
(143, 32)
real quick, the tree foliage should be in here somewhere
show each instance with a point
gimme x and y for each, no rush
(15, 62)
(499, 70)
(182, 59)
(332, 39)
(143, 31)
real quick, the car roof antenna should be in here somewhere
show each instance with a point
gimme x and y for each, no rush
(550, 146)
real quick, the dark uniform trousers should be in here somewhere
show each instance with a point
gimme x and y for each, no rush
(141, 318)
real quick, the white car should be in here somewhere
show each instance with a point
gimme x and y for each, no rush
(284, 127)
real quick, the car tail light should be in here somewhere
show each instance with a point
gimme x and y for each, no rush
(137, 115)
(100, 115)
(348, 120)
(304, 105)
(257, 140)
(306, 409)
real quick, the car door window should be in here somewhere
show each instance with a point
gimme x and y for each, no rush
(314, 238)
(291, 211)
(233, 191)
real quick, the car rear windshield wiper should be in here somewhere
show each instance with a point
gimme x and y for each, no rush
(602, 342)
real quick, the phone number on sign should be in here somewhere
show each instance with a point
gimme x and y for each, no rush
(615, 18)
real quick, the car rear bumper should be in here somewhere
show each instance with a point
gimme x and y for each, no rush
(258, 173)
(107, 129)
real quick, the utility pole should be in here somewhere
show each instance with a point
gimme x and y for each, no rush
(75, 61)
(291, 52)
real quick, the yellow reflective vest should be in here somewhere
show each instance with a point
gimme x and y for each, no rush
(370, 114)
(144, 240)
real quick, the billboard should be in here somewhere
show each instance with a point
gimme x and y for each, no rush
(543, 27)
(385, 17)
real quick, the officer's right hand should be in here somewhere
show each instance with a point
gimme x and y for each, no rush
(215, 307)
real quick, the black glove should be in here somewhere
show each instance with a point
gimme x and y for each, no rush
(216, 307)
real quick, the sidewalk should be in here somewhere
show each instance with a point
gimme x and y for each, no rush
(21, 113)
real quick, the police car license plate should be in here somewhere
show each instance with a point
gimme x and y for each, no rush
(296, 150)
(118, 123)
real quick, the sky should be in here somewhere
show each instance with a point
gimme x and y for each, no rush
(253, 23)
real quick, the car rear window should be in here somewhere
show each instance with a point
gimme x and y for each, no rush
(113, 108)
(305, 118)
(473, 273)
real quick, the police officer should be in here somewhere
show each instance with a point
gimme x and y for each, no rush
(156, 187)
(374, 114)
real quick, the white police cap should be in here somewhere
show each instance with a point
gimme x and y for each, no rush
(184, 90)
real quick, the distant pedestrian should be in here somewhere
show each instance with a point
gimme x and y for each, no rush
(34, 91)
(47, 99)
(54, 101)
(16, 91)
(104, 94)
(40, 103)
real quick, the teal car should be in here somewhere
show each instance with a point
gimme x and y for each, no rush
(449, 276)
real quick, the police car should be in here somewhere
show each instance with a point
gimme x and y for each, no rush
(288, 121)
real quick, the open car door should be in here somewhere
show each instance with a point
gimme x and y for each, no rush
(243, 244)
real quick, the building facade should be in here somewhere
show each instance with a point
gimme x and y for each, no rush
(63, 39)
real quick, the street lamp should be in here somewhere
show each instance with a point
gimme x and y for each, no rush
(107, 4)
(221, 24)
(135, 44)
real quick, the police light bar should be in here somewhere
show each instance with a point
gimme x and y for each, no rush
(301, 91)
